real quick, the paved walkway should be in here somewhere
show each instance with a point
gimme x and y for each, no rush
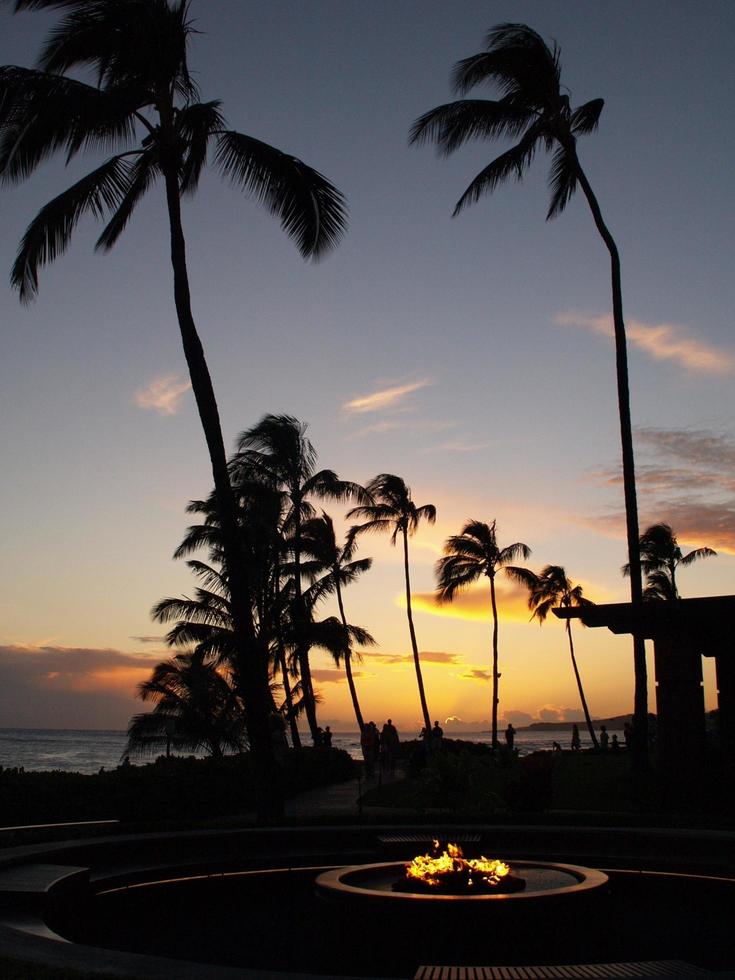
(338, 801)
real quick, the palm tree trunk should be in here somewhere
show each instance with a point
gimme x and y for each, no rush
(269, 800)
(640, 711)
(412, 631)
(496, 675)
(348, 657)
(302, 650)
(287, 693)
(588, 720)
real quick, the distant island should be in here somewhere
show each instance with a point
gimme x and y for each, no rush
(618, 722)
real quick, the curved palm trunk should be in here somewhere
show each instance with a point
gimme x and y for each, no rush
(287, 693)
(269, 800)
(348, 657)
(496, 675)
(302, 649)
(414, 644)
(640, 744)
(588, 720)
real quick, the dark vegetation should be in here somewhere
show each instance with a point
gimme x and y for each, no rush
(467, 782)
(175, 788)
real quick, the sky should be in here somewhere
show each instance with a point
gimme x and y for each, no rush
(472, 356)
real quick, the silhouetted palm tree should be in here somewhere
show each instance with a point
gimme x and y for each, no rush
(138, 51)
(550, 589)
(195, 708)
(319, 541)
(660, 558)
(278, 452)
(533, 107)
(469, 556)
(392, 509)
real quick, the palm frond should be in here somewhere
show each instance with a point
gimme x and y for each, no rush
(562, 182)
(196, 124)
(586, 117)
(49, 233)
(523, 576)
(511, 163)
(41, 114)
(455, 123)
(454, 574)
(517, 59)
(142, 174)
(311, 210)
(696, 555)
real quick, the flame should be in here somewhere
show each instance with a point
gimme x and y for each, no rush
(434, 869)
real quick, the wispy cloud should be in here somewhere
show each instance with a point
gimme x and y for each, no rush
(476, 674)
(427, 656)
(474, 604)
(405, 425)
(455, 446)
(163, 394)
(384, 398)
(332, 675)
(661, 341)
(686, 478)
(68, 685)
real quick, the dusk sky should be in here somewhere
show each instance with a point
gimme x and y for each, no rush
(472, 356)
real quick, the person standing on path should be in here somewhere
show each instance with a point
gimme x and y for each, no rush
(576, 744)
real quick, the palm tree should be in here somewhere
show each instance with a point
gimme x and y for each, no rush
(277, 452)
(392, 509)
(533, 107)
(548, 590)
(196, 708)
(660, 558)
(320, 541)
(138, 52)
(467, 557)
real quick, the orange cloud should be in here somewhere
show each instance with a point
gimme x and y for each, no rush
(512, 602)
(476, 674)
(384, 398)
(661, 341)
(427, 656)
(164, 394)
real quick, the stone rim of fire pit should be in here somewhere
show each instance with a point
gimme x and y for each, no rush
(352, 883)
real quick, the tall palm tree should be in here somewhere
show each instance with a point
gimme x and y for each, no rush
(196, 707)
(279, 453)
(547, 590)
(534, 107)
(392, 509)
(320, 541)
(469, 556)
(137, 50)
(660, 558)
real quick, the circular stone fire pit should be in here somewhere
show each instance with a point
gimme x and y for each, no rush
(374, 883)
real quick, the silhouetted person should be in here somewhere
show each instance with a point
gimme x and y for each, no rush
(389, 746)
(437, 734)
(327, 737)
(615, 745)
(604, 738)
(510, 736)
(369, 746)
(319, 736)
(555, 747)
(576, 744)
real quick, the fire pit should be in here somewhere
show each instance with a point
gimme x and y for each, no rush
(449, 879)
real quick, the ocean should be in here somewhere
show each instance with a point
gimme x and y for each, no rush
(38, 749)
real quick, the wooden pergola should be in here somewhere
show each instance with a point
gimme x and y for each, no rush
(683, 631)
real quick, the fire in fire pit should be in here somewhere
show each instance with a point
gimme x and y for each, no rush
(448, 872)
